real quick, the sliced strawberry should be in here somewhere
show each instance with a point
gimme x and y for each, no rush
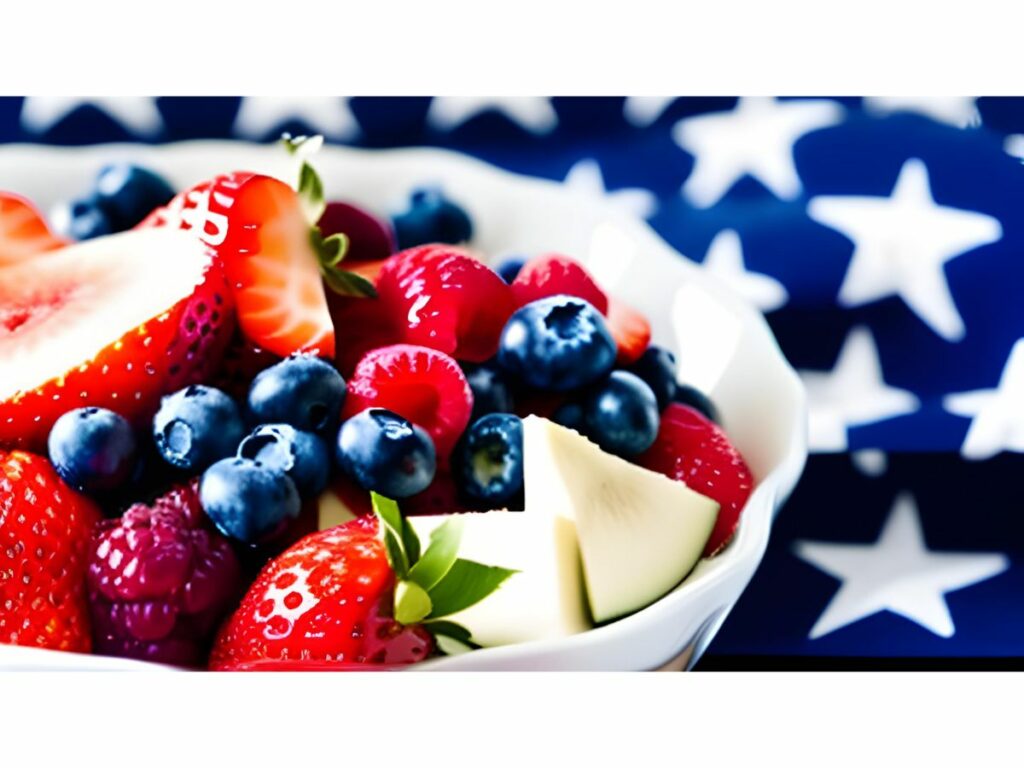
(695, 450)
(23, 230)
(443, 298)
(46, 530)
(425, 386)
(258, 226)
(630, 329)
(554, 274)
(115, 322)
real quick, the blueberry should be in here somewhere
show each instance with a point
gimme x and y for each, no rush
(385, 453)
(621, 414)
(92, 449)
(657, 367)
(491, 390)
(431, 218)
(300, 455)
(509, 267)
(83, 219)
(196, 426)
(490, 458)
(303, 391)
(129, 193)
(247, 500)
(694, 398)
(557, 343)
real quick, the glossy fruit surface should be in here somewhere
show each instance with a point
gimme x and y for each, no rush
(327, 599)
(303, 391)
(160, 581)
(696, 451)
(92, 449)
(386, 453)
(301, 455)
(491, 460)
(558, 343)
(248, 501)
(23, 230)
(554, 275)
(442, 297)
(45, 529)
(621, 414)
(197, 426)
(423, 385)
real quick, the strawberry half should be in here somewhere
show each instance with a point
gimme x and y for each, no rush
(46, 529)
(23, 230)
(351, 596)
(115, 322)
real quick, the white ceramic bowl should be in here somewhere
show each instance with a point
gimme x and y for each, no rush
(723, 344)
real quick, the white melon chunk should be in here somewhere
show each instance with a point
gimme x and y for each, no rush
(544, 600)
(640, 533)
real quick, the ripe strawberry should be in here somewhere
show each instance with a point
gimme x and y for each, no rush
(630, 329)
(328, 598)
(445, 299)
(160, 580)
(258, 227)
(115, 322)
(44, 540)
(356, 594)
(23, 230)
(423, 385)
(696, 451)
(552, 275)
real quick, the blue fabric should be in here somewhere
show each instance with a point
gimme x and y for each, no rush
(963, 505)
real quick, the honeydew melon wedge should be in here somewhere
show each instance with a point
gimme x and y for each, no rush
(640, 533)
(544, 599)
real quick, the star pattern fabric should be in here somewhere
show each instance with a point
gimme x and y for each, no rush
(881, 237)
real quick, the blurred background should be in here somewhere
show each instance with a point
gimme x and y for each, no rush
(881, 237)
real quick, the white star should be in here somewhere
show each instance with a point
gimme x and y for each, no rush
(258, 116)
(642, 111)
(853, 393)
(997, 414)
(959, 111)
(724, 260)
(756, 139)
(901, 243)
(585, 179)
(138, 114)
(897, 573)
(533, 113)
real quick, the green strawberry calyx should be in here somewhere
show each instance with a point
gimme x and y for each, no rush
(331, 250)
(434, 583)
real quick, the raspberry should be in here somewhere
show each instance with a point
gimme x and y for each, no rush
(423, 385)
(696, 451)
(552, 275)
(445, 299)
(159, 581)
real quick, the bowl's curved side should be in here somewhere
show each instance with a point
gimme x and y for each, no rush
(723, 345)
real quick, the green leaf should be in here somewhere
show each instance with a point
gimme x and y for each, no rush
(349, 284)
(459, 639)
(392, 525)
(412, 603)
(333, 249)
(311, 193)
(465, 584)
(411, 543)
(440, 554)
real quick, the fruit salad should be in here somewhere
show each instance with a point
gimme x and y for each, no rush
(244, 427)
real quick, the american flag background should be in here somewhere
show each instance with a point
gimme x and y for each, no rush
(883, 238)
